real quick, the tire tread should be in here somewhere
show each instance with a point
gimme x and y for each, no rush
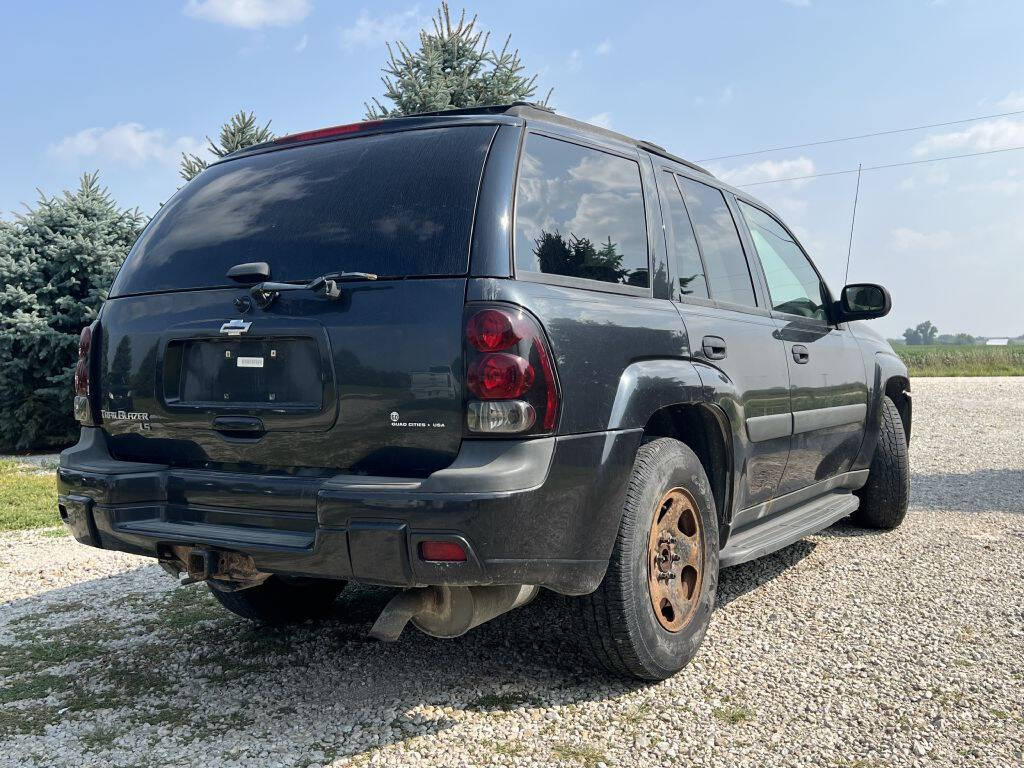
(885, 496)
(605, 612)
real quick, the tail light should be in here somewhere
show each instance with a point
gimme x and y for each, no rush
(509, 373)
(83, 404)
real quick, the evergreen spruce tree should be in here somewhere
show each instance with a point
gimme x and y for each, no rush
(239, 132)
(56, 263)
(453, 68)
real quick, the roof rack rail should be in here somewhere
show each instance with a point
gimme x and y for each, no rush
(657, 149)
(491, 109)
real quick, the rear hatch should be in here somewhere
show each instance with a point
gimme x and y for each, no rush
(194, 373)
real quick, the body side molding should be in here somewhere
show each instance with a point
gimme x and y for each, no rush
(823, 418)
(761, 428)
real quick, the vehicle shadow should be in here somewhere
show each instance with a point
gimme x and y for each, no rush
(171, 664)
(145, 653)
(984, 490)
(171, 657)
(738, 580)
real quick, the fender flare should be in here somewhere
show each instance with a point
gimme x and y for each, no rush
(887, 366)
(647, 386)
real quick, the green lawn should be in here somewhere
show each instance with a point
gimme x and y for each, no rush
(27, 499)
(966, 360)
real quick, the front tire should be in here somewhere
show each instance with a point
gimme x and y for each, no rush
(278, 601)
(649, 615)
(884, 498)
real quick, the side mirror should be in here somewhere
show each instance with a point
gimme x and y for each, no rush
(863, 301)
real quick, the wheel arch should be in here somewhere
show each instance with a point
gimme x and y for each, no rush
(888, 379)
(704, 429)
(897, 389)
(668, 398)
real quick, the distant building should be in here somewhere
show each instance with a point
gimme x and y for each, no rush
(996, 342)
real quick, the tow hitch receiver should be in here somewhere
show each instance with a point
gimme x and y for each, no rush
(223, 570)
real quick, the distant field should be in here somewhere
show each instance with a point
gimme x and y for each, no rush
(953, 360)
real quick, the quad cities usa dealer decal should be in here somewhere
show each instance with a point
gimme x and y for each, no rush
(396, 421)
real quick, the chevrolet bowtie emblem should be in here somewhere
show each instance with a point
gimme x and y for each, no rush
(235, 327)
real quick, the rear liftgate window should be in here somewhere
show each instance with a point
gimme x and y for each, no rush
(396, 204)
(580, 213)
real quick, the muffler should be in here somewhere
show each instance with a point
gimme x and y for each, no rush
(443, 611)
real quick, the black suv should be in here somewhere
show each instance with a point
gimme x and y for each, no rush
(474, 354)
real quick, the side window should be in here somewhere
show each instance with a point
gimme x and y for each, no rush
(794, 286)
(727, 272)
(580, 213)
(687, 266)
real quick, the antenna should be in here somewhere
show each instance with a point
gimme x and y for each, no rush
(853, 220)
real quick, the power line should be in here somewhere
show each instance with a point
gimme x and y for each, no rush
(880, 167)
(864, 136)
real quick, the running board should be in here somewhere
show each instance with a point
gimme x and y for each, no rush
(773, 533)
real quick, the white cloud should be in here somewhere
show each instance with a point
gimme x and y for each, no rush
(128, 144)
(767, 170)
(933, 177)
(603, 119)
(250, 14)
(604, 47)
(370, 31)
(575, 62)
(1011, 184)
(301, 45)
(906, 239)
(982, 137)
(1013, 101)
(725, 96)
(798, 3)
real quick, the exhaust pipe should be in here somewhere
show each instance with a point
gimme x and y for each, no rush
(443, 611)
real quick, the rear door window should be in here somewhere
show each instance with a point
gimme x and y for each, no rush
(396, 204)
(580, 213)
(727, 271)
(687, 266)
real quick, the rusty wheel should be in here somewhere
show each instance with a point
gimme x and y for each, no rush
(675, 559)
(652, 609)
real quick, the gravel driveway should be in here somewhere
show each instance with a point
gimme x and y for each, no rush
(846, 649)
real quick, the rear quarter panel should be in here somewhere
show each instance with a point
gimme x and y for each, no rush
(594, 337)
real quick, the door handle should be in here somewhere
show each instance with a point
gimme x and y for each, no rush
(713, 347)
(800, 354)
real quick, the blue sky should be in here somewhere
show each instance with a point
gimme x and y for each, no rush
(124, 87)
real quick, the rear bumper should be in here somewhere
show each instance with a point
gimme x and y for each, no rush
(541, 512)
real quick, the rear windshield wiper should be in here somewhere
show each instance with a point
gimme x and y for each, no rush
(325, 286)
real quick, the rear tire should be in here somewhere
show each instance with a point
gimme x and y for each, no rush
(279, 601)
(668, 498)
(884, 498)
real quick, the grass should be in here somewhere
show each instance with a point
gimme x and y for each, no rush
(963, 360)
(99, 738)
(27, 499)
(35, 687)
(581, 753)
(509, 748)
(733, 715)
